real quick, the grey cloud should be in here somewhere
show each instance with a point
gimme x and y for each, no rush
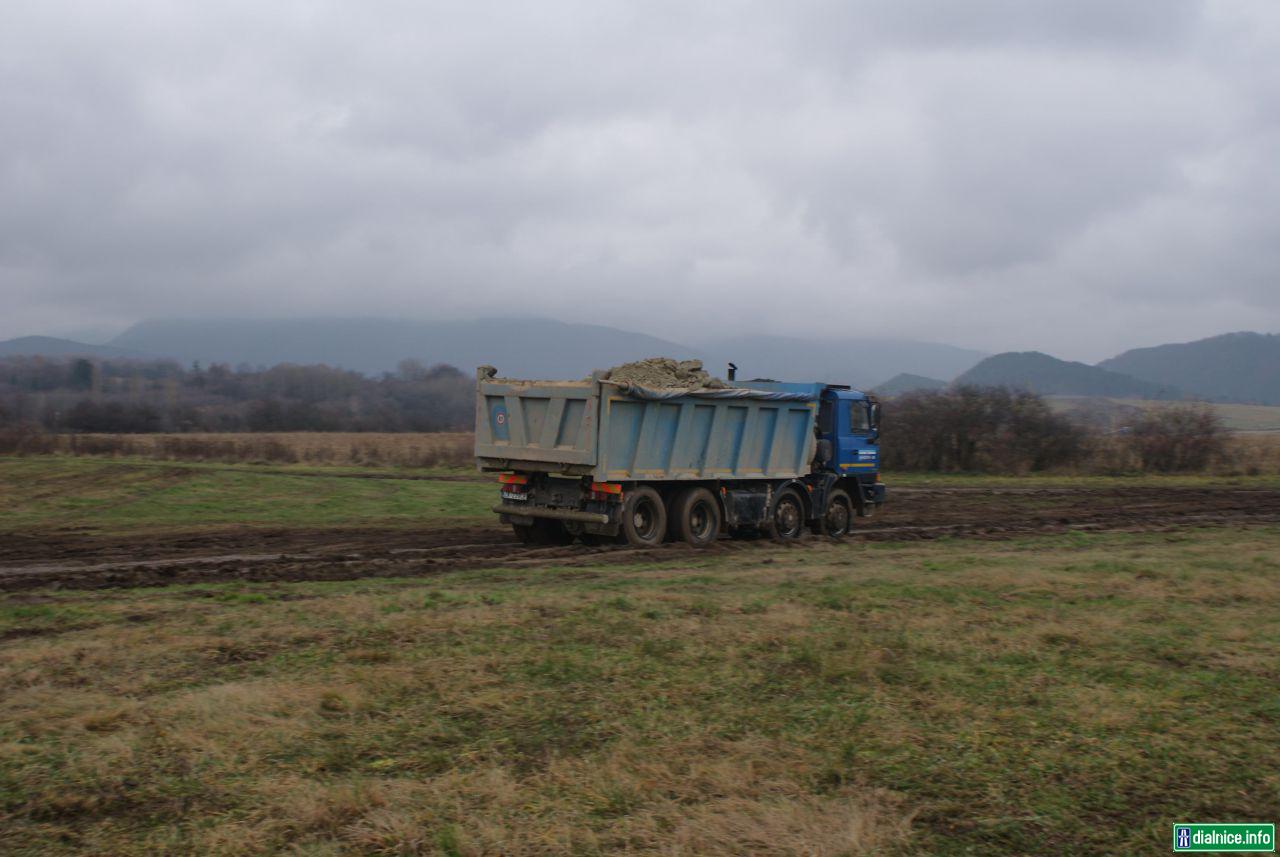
(1077, 177)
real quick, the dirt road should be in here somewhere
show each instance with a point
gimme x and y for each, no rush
(80, 561)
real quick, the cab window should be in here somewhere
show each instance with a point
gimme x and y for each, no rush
(825, 412)
(859, 420)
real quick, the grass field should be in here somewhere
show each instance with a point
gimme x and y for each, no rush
(1064, 695)
(1235, 418)
(105, 496)
(1240, 418)
(91, 495)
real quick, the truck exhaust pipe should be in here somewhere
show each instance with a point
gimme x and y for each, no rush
(733, 371)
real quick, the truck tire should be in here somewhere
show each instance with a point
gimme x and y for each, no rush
(695, 517)
(644, 518)
(838, 519)
(786, 518)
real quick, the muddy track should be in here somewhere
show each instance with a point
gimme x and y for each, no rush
(79, 561)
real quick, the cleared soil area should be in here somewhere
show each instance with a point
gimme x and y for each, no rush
(69, 559)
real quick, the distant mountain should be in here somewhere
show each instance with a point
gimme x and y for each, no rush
(1049, 376)
(52, 346)
(531, 347)
(1233, 367)
(908, 383)
(848, 360)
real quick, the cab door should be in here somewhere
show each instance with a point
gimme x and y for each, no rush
(858, 449)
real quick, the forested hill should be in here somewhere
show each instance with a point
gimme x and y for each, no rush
(1049, 376)
(908, 383)
(52, 346)
(527, 347)
(520, 347)
(1234, 367)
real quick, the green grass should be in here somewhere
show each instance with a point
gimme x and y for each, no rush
(96, 495)
(1070, 694)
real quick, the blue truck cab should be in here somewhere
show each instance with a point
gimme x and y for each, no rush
(848, 441)
(850, 421)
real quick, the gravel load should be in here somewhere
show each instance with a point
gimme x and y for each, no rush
(665, 373)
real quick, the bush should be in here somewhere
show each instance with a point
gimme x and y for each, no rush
(121, 417)
(26, 439)
(977, 429)
(159, 396)
(1176, 440)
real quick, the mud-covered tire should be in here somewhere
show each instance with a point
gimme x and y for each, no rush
(786, 516)
(524, 533)
(838, 519)
(644, 518)
(695, 517)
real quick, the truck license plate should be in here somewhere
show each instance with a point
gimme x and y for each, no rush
(513, 495)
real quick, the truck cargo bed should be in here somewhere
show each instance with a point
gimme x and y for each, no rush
(594, 428)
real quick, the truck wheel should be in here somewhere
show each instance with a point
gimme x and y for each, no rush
(787, 520)
(644, 518)
(839, 517)
(696, 517)
(524, 533)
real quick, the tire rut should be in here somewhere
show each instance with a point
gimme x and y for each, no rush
(77, 561)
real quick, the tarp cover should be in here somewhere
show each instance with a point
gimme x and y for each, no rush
(658, 393)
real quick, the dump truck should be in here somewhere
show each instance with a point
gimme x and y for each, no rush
(601, 461)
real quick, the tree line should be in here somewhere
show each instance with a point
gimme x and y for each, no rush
(998, 430)
(82, 395)
(961, 430)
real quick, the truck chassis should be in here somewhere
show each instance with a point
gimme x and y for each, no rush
(545, 509)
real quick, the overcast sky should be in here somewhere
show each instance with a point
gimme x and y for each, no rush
(1073, 176)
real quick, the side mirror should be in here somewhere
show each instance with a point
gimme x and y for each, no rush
(875, 416)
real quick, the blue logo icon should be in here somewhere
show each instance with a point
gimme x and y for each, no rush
(1184, 837)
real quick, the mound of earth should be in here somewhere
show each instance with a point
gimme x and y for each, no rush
(663, 372)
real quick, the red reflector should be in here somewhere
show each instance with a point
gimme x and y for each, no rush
(606, 488)
(513, 479)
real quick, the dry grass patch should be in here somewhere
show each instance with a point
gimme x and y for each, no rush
(707, 798)
(398, 449)
(966, 697)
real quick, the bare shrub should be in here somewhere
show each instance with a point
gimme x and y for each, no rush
(438, 449)
(26, 439)
(1176, 440)
(978, 429)
(1250, 455)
